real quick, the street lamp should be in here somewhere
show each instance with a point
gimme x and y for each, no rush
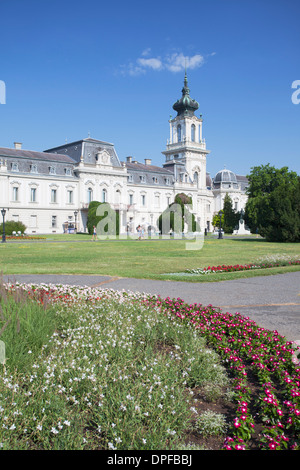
(3, 212)
(75, 215)
(220, 227)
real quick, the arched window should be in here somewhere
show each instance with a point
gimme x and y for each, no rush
(196, 178)
(90, 195)
(179, 133)
(104, 195)
(193, 132)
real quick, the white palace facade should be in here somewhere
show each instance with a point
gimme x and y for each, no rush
(49, 190)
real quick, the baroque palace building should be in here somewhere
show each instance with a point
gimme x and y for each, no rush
(50, 190)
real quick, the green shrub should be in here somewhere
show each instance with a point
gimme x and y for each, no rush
(12, 226)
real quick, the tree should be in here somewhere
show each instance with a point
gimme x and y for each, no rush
(273, 206)
(177, 214)
(93, 219)
(216, 220)
(231, 218)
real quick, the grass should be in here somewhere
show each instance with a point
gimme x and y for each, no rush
(149, 259)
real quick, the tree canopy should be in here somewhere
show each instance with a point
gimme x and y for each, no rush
(273, 206)
(177, 215)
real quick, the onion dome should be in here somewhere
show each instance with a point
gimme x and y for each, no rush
(186, 105)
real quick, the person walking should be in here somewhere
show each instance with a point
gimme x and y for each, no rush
(94, 237)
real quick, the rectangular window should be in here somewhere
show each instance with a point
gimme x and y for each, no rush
(33, 195)
(157, 201)
(52, 170)
(143, 200)
(70, 197)
(54, 221)
(15, 194)
(130, 199)
(33, 221)
(53, 195)
(33, 169)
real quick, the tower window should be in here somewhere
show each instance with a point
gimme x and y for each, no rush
(193, 132)
(179, 133)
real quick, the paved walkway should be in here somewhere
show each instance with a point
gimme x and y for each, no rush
(273, 302)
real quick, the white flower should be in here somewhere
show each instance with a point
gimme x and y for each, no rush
(54, 431)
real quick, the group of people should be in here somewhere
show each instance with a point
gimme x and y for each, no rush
(141, 232)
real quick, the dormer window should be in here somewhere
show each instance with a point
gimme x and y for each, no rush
(33, 169)
(14, 167)
(52, 170)
(142, 179)
(130, 178)
(68, 172)
(155, 180)
(167, 181)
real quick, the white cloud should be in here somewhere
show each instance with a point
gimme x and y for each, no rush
(146, 52)
(176, 62)
(154, 63)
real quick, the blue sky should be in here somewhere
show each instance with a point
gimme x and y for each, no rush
(115, 69)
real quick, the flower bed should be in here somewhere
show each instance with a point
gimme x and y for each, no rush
(24, 237)
(241, 267)
(251, 354)
(248, 349)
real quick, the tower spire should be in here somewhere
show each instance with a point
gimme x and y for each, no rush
(186, 105)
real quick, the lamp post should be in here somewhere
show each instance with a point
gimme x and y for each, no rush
(3, 212)
(220, 227)
(75, 215)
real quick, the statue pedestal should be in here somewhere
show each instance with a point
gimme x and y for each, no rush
(242, 230)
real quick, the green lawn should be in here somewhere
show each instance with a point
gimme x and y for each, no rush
(151, 259)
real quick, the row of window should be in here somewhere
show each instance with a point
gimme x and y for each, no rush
(130, 197)
(33, 220)
(155, 180)
(34, 169)
(193, 133)
(33, 195)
